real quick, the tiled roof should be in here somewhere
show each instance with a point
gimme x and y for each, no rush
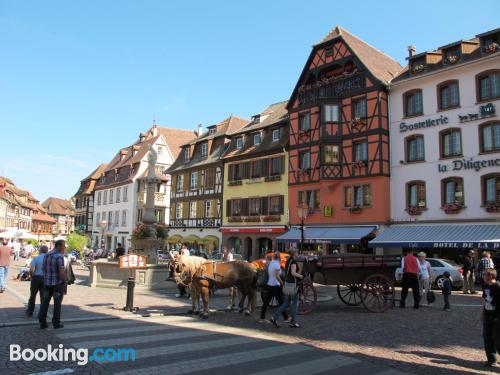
(271, 115)
(225, 127)
(88, 183)
(175, 138)
(382, 66)
(58, 206)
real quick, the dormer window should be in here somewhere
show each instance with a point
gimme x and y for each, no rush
(204, 150)
(452, 55)
(186, 154)
(256, 139)
(276, 135)
(212, 131)
(239, 143)
(490, 43)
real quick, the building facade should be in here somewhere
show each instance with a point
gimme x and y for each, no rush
(256, 184)
(196, 192)
(16, 206)
(119, 193)
(339, 171)
(445, 147)
(84, 202)
(63, 211)
(43, 225)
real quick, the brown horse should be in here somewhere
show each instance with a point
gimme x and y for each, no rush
(202, 275)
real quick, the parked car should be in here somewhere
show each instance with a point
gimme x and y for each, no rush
(438, 267)
(218, 256)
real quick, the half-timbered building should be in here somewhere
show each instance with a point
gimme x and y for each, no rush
(196, 193)
(256, 183)
(339, 143)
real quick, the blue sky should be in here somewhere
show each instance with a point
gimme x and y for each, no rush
(79, 79)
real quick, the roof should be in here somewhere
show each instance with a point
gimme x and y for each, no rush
(175, 138)
(226, 127)
(88, 183)
(382, 66)
(273, 114)
(58, 206)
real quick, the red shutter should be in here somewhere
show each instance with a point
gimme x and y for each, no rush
(282, 204)
(264, 206)
(228, 208)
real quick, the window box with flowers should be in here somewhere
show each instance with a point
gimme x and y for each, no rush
(415, 210)
(357, 123)
(418, 68)
(493, 207)
(306, 133)
(276, 177)
(451, 59)
(355, 210)
(359, 164)
(235, 219)
(452, 208)
(491, 48)
(235, 182)
(271, 218)
(252, 219)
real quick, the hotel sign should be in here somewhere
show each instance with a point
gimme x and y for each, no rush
(467, 245)
(441, 120)
(464, 164)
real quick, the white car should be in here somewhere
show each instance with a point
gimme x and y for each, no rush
(438, 268)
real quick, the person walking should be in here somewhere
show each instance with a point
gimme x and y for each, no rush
(119, 251)
(469, 268)
(17, 250)
(273, 287)
(424, 275)
(5, 254)
(292, 277)
(55, 285)
(36, 279)
(485, 263)
(490, 316)
(447, 290)
(409, 265)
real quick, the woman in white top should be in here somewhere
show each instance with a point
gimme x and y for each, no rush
(424, 274)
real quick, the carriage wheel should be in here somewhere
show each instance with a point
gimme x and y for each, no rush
(350, 294)
(307, 299)
(377, 293)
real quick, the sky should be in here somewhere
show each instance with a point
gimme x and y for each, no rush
(80, 79)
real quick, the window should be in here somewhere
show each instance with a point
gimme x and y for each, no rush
(256, 139)
(359, 109)
(111, 192)
(361, 151)
(305, 122)
(357, 196)
(488, 85)
(331, 113)
(110, 218)
(179, 182)
(415, 148)
(236, 171)
(255, 206)
(210, 178)
(125, 191)
(448, 96)
(236, 207)
(330, 154)
(413, 103)
(415, 194)
(98, 219)
(212, 131)
(192, 209)
(178, 211)
(309, 197)
(453, 191)
(105, 197)
(276, 135)
(275, 205)
(276, 166)
(490, 137)
(239, 143)
(257, 166)
(208, 209)
(124, 218)
(160, 150)
(117, 218)
(186, 154)
(194, 181)
(204, 150)
(305, 160)
(329, 51)
(451, 143)
(491, 189)
(118, 192)
(99, 198)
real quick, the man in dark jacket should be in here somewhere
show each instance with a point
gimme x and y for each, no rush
(469, 268)
(490, 315)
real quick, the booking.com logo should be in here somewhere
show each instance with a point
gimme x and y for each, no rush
(61, 354)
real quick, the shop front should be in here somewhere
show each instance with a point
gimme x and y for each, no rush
(251, 242)
(207, 241)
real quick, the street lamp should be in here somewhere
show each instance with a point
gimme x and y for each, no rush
(302, 212)
(103, 226)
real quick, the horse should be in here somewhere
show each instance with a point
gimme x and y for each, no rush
(202, 275)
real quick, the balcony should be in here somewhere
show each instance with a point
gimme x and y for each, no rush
(160, 198)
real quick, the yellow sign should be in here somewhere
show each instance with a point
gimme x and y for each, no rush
(327, 211)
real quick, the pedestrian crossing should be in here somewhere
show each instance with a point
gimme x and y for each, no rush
(185, 345)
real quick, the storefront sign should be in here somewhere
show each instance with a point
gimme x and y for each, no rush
(487, 110)
(442, 120)
(253, 230)
(132, 261)
(328, 211)
(463, 164)
(467, 245)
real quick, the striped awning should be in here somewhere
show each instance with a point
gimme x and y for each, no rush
(485, 236)
(334, 234)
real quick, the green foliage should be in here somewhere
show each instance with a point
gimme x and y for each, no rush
(76, 241)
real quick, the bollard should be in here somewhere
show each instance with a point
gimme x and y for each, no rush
(130, 296)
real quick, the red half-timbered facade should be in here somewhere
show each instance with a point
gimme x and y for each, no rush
(339, 134)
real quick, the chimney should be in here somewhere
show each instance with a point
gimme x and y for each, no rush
(200, 129)
(411, 50)
(154, 130)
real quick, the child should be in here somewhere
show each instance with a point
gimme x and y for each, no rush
(490, 314)
(446, 291)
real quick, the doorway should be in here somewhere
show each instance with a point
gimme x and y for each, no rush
(248, 247)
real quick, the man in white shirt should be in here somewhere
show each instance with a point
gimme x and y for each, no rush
(17, 250)
(273, 288)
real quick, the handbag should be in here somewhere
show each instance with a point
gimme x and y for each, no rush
(290, 289)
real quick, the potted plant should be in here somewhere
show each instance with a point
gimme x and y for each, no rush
(451, 59)
(414, 210)
(161, 231)
(141, 231)
(491, 48)
(452, 208)
(418, 68)
(493, 207)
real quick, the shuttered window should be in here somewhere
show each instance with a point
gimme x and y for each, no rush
(210, 178)
(276, 165)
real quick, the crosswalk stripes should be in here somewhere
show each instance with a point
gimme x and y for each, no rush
(183, 345)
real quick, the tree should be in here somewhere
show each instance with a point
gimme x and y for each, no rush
(76, 241)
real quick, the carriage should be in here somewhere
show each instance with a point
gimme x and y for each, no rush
(366, 280)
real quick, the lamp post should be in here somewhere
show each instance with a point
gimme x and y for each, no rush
(103, 226)
(302, 212)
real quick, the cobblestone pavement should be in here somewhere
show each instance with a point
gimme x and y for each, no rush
(424, 341)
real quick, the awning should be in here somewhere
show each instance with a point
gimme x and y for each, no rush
(190, 239)
(176, 238)
(338, 234)
(440, 236)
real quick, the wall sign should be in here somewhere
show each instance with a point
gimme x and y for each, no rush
(463, 164)
(442, 120)
(487, 110)
(327, 211)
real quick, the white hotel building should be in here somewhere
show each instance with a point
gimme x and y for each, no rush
(120, 193)
(445, 150)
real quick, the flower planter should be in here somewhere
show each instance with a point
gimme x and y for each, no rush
(252, 219)
(491, 48)
(452, 208)
(492, 208)
(273, 178)
(234, 219)
(271, 218)
(415, 211)
(355, 210)
(235, 183)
